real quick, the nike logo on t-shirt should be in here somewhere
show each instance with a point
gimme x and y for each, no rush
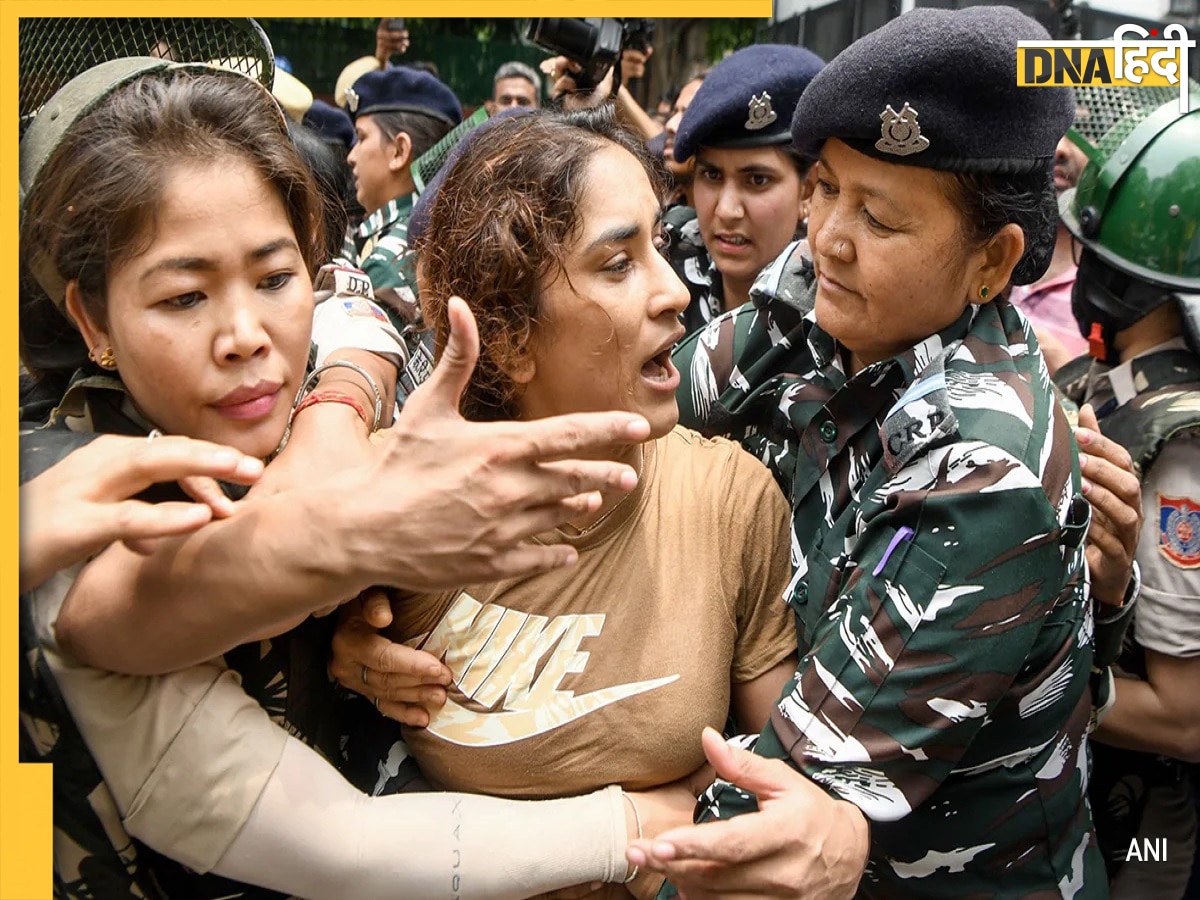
(494, 655)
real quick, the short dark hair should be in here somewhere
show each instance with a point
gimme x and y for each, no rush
(334, 177)
(422, 130)
(987, 203)
(518, 69)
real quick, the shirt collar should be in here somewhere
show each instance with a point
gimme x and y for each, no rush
(799, 292)
(1121, 379)
(388, 214)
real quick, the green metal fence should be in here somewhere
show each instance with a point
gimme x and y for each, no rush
(319, 49)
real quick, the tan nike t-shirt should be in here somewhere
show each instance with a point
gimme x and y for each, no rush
(606, 672)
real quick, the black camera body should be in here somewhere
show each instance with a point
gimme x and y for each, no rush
(595, 44)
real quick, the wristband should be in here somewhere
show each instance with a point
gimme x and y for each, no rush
(311, 381)
(330, 396)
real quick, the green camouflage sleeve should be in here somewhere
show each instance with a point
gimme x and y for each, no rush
(715, 396)
(920, 629)
(392, 270)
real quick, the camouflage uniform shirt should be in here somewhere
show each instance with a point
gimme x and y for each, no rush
(690, 260)
(379, 246)
(1150, 404)
(944, 629)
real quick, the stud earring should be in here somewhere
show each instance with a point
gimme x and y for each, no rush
(105, 360)
(983, 292)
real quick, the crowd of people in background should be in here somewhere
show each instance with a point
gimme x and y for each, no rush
(790, 490)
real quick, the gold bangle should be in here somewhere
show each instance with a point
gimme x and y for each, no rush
(637, 820)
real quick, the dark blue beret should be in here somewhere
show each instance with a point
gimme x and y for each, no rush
(747, 99)
(938, 88)
(331, 123)
(401, 89)
(418, 221)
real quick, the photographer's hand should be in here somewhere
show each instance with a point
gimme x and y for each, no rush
(633, 62)
(565, 91)
(389, 43)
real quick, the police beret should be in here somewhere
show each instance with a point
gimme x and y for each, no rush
(938, 88)
(418, 221)
(747, 99)
(331, 123)
(401, 89)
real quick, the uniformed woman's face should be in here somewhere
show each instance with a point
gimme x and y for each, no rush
(608, 322)
(748, 205)
(210, 326)
(892, 266)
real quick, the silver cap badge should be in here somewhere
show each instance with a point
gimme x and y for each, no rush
(761, 114)
(352, 99)
(900, 132)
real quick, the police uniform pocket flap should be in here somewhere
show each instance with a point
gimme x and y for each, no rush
(907, 579)
(904, 578)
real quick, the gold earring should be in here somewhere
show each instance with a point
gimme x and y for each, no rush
(106, 360)
(983, 292)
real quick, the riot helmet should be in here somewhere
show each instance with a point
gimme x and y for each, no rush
(1135, 211)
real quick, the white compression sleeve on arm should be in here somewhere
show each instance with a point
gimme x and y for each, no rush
(314, 835)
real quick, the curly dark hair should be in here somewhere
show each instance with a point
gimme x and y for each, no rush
(501, 228)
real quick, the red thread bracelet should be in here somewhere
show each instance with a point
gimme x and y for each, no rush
(329, 396)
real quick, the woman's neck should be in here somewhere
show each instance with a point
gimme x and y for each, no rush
(1154, 328)
(736, 292)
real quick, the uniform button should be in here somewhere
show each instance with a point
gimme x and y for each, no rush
(829, 431)
(802, 592)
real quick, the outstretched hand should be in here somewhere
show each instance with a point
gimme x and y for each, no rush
(79, 506)
(450, 502)
(801, 842)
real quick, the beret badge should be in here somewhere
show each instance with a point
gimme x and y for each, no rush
(900, 133)
(761, 114)
(352, 99)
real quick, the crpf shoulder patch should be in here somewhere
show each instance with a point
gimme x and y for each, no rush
(1179, 530)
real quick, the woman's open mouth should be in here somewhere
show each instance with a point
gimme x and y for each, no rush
(659, 371)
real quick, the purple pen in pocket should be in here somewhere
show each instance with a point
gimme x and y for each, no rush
(904, 533)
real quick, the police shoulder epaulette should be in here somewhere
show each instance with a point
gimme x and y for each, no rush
(922, 417)
(336, 278)
(789, 279)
